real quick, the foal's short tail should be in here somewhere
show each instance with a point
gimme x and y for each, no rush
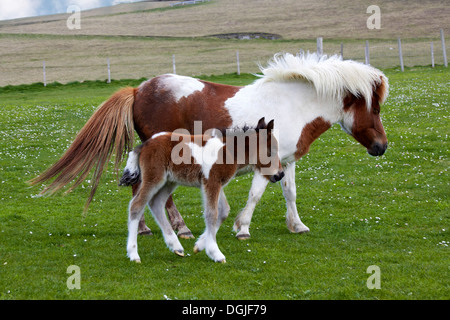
(110, 127)
(131, 173)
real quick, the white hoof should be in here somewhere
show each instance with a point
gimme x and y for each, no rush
(298, 228)
(179, 253)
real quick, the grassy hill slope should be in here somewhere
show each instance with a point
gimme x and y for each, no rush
(140, 38)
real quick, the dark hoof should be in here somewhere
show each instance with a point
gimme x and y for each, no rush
(146, 233)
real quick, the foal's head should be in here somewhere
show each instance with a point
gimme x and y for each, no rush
(268, 161)
(364, 123)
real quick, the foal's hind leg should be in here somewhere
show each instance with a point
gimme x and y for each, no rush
(143, 229)
(157, 207)
(175, 218)
(136, 211)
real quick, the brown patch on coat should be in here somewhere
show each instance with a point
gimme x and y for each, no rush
(155, 109)
(309, 134)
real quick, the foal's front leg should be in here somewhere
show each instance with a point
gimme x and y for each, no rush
(293, 221)
(207, 241)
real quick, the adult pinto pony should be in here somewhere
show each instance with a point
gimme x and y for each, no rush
(305, 94)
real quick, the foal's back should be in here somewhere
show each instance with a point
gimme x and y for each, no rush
(181, 158)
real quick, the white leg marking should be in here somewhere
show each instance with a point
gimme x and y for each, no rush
(132, 252)
(213, 219)
(242, 222)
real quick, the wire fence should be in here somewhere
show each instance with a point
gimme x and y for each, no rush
(130, 58)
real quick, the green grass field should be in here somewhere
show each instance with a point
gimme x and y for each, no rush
(391, 211)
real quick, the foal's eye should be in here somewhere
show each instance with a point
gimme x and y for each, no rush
(376, 111)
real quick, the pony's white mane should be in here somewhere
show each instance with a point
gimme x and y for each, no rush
(331, 76)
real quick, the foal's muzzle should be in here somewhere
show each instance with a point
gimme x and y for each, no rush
(277, 177)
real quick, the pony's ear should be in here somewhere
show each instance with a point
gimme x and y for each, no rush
(270, 125)
(261, 124)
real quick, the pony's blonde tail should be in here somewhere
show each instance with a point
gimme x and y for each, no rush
(110, 127)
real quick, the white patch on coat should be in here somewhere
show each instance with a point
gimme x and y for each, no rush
(207, 155)
(347, 122)
(291, 104)
(181, 86)
(158, 134)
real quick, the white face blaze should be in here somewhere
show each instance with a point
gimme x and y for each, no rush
(181, 86)
(207, 155)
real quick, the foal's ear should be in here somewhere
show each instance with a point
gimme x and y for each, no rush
(261, 124)
(270, 125)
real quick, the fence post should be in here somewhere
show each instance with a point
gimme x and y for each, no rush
(444, 53)
(109, 71)
(173, 64)
(342, 51)
(400, 54)
(320, 45)
(366, 51)
(237, 62)
(43, 70)
(432, 55)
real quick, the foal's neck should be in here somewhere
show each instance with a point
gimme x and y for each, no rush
(241, 148)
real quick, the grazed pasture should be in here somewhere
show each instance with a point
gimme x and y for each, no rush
(391, 211)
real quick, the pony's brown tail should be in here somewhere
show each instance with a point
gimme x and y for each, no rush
(110, 127)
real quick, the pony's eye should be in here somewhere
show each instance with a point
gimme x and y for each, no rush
(376, 111)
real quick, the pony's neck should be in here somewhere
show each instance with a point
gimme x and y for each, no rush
(297, 99)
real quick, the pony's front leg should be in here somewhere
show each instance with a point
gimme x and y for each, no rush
(242, 222)
(293, 221)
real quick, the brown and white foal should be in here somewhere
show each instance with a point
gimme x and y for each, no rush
(207, 161)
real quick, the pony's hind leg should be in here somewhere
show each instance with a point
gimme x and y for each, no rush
(156, 205)
(176, 220)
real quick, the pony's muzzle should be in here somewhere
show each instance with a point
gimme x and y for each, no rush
(277, 177)
(377, 149)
